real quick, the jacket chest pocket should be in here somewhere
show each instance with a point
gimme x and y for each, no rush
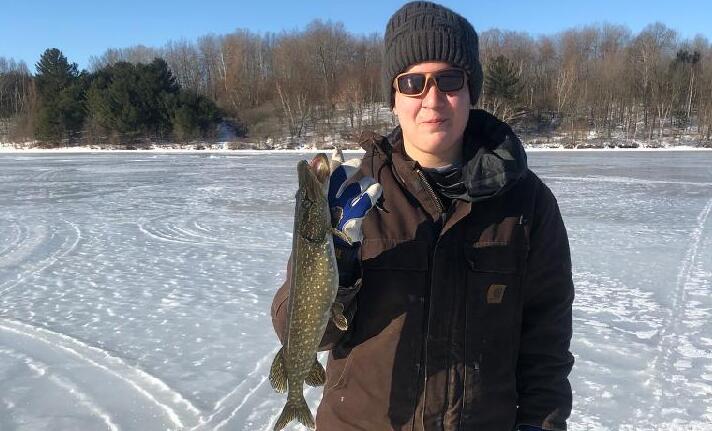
(493, 281)
(493, 308)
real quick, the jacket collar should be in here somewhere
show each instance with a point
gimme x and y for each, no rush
(494, 156)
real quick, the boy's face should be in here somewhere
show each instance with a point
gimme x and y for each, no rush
(433, 123)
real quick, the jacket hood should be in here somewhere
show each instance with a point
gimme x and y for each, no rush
(494, 157)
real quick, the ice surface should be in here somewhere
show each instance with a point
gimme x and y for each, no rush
(135, 288)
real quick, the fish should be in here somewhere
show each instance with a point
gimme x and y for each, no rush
(312, 290)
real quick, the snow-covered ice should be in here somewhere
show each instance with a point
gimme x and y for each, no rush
(135, 288)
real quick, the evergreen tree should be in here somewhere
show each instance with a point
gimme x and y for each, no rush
(193, 116)
(114, 102)
(133, 100)
(502, 88)
(158, 86)
(502, 79)
(60, 94)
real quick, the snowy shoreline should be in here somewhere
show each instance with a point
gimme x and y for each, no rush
(12, 150)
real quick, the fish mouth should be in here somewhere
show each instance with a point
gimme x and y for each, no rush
(314, 176)
(321, 167)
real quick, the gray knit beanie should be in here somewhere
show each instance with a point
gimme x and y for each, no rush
(423, 31)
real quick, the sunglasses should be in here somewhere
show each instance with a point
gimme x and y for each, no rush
(415, 84)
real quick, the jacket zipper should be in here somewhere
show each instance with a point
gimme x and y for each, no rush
(430, 190)
(441, 208)
(425, 339)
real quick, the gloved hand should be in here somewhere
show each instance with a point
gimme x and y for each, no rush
(529, 428)
(349, 203)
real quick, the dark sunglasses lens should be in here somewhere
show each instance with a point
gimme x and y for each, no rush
(452, 80)
(411, 84)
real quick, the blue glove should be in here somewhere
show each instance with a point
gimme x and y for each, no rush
(528, 428)
(349, 201)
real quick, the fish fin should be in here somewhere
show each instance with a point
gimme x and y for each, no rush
(317, 375)
(295, 409)
(337, 316)
(340, 234)
(278, 373)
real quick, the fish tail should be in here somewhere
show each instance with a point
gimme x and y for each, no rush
(295, 409)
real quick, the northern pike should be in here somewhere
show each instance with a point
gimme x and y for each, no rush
(313, 285)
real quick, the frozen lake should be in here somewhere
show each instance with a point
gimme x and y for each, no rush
(135, 288)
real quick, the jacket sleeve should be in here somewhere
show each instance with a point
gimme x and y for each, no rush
(280, 307)
(545, 361)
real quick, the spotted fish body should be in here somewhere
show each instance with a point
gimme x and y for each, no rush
(313, 286)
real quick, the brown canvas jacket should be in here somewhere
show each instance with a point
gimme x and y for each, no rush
(462, 321)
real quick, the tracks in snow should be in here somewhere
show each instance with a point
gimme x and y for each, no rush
(20, 235)
(39, 370)
(69, 244)
(99, 381)
(122, 396)
(233, 403)
(253, 404)
(162, 229)
(673, 331)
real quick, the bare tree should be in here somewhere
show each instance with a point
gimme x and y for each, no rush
(134, 54)
(294, 71)
(183, 58)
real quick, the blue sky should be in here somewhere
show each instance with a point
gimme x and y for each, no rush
(85, 28)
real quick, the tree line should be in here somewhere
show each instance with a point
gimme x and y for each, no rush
(122, 103)
(602, 81)
(598, 81)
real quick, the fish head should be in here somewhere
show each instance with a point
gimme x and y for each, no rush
(313, 218)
